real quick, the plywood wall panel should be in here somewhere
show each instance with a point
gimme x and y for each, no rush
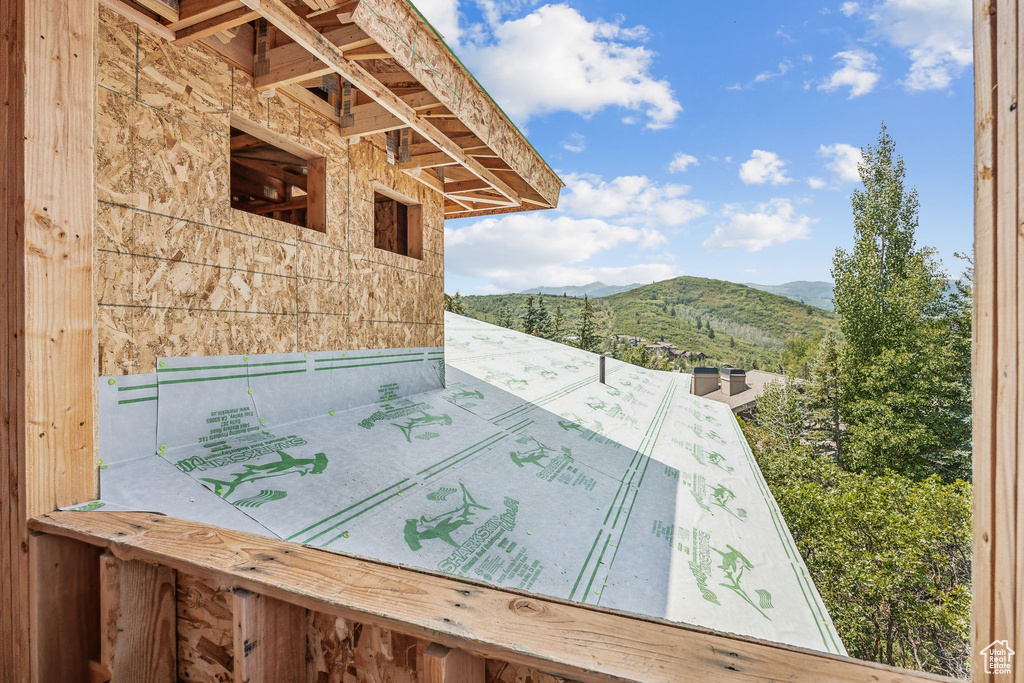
(205, 648)
(115, 52)
(205, 279)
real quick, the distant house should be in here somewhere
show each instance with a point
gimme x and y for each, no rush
(694, 356)
(628, 339)
(664, 350)
(744, 402)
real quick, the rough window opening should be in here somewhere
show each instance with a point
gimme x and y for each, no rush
(269, 180)
(397, 226)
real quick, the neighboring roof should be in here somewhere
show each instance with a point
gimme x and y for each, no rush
(524, 472)
(756, 381)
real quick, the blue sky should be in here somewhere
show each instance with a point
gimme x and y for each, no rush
(762, 106)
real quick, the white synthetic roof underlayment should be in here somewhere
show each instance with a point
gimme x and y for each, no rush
(524, 471)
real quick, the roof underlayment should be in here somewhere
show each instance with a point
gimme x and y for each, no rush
(524, 471)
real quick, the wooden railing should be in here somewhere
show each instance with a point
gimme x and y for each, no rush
(281, 600)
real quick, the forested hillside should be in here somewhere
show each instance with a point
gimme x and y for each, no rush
(728, 322)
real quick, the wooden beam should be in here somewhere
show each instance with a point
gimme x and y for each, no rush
(427, 161)
(47, 338)
(444, 665)
(372, 118)
(137, 620)
(245, 141)
(191, 12)
(269, 639)
(238, 49)
(209, 27)
(466, 186)
(560, 638)
(279, 14)
(265, 208)
(167, 9)
(65, 609)
(292, 63)
(142, 20)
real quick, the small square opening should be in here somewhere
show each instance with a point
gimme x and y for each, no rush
(397, 226)
(269, 180)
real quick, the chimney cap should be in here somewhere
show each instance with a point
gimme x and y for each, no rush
(734, 371)
(705, 371)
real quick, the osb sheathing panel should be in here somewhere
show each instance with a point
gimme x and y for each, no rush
(179, 272)
(205, 647)
(503, 672)
(340, 651)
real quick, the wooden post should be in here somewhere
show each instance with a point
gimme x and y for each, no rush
(269, 639)
(64, 618)
(47, 375)
(444, 665)
(137, 621)
(998, 333)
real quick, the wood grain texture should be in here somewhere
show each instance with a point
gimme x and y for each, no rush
(46, 209)
(445, 665)
(998, 313)
(65, 609)
(269, 638)
(137, 621)
(549, 635)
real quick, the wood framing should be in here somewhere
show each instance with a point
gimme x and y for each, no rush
(554, 636)
(998, 376)
(46, 355)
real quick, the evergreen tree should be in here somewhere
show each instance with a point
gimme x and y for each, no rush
(700, 323)
(732, 342)
(543, 319)
(529, 317)
(558, 324)
(586, 337)
(504, 317)
(454, 304)
(711, 332)
(823, 400)
(898, 394)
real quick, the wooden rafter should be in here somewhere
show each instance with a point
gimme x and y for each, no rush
(213, 25)
(281, 16)
(292, 63)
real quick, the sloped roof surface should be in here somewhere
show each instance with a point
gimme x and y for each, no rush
(524, 472)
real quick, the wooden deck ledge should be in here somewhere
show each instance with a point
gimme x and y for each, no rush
(557, 637)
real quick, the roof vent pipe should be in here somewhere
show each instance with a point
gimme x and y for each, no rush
(601, 369)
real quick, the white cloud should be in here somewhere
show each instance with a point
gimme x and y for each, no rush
(521, 250)
(784, 66)
(444, 16)
(842, 159)
(936, 35)
(554, 59)
(764, 167)
(815, 183)
(859, 73)
(850, 8)
(681, 161)
(574, 143)
(774, 222)
(632, 200)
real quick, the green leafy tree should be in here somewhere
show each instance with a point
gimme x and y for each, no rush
(454, 304)
(902, 408)
(585, 328)
(890, 555)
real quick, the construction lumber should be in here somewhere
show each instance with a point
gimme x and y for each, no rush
(561, 638)
(65, 609)
(281, 16)
(236, 50)
(427, 161)
(292, 63)
(47, 339)
(137, 621)
(192, 12)
(144, 21)
(395, 25)
(998, 477)
(269, 639)
(213, 25)
(167, 9)
(444, 665)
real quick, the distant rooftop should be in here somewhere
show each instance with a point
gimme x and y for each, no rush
(745, 400)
